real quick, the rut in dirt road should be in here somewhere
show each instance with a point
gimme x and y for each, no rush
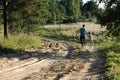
(53, 61)
(83, 64)
(36, 60)
(92, 69)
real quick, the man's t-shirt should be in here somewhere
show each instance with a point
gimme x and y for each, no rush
(82, 32)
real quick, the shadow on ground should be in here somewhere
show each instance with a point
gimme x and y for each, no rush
(22, 55)
(64, 38)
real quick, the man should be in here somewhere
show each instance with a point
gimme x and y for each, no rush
(82, 35)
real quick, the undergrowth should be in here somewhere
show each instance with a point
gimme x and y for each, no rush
(112, 62)
(58, 34)
(18, 42)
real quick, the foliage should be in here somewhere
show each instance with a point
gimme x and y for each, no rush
(111, 17)
(71, 19)
(112, 63)
(1, 15)
(72, 10)
(83, 19)
(19, 42)
(53, 8)
(99, 14)
(57, 33)
(1, 27)
(29, 15)
(89, 8)
(91, 11)
(24, 14)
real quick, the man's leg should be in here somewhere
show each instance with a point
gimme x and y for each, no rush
(81, 40)
(84, 40)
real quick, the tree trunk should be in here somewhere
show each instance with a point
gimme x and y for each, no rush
(28, 30)
(5, 19)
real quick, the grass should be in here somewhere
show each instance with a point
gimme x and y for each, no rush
(1, 27)
(67, 32)
(92, 27)
(112, 63)
(110, 46)
(57, 34)
(63, 32)
(18, 42)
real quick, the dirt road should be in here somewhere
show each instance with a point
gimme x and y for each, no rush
(53, 61)
(92, 69)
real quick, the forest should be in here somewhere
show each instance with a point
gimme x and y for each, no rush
(23, 15)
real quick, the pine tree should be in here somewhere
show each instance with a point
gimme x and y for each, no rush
(25, 14)
(72, 9)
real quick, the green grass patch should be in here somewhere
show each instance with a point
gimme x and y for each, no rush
(58, 34)
(112, 62)
(1, 27)
(18, 42)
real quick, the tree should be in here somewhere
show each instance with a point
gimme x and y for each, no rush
(25, 14)
(99, 14)
(72, 8)
(89, 8)
(3, 8)
(53, 8)
(1, 12)
(5, 18)
(61, 11)
(34, 13)
(111, 16)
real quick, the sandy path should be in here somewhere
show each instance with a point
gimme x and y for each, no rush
(21, 72)
(91, 71)
(92, 68)
(34, 63)
(91, 60)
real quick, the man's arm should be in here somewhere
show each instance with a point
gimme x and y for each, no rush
(77, 32)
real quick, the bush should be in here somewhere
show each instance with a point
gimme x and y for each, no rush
(1, 27)
(71, 19)
(83, 19)
(112, 62)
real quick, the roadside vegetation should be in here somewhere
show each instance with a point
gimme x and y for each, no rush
(58, 34)
(61, 32)
(30, 16)
(1, 27)
(111, 48)
(18, 42)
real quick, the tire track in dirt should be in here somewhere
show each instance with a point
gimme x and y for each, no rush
(28, 62)
(21, 72)
(92, 69)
